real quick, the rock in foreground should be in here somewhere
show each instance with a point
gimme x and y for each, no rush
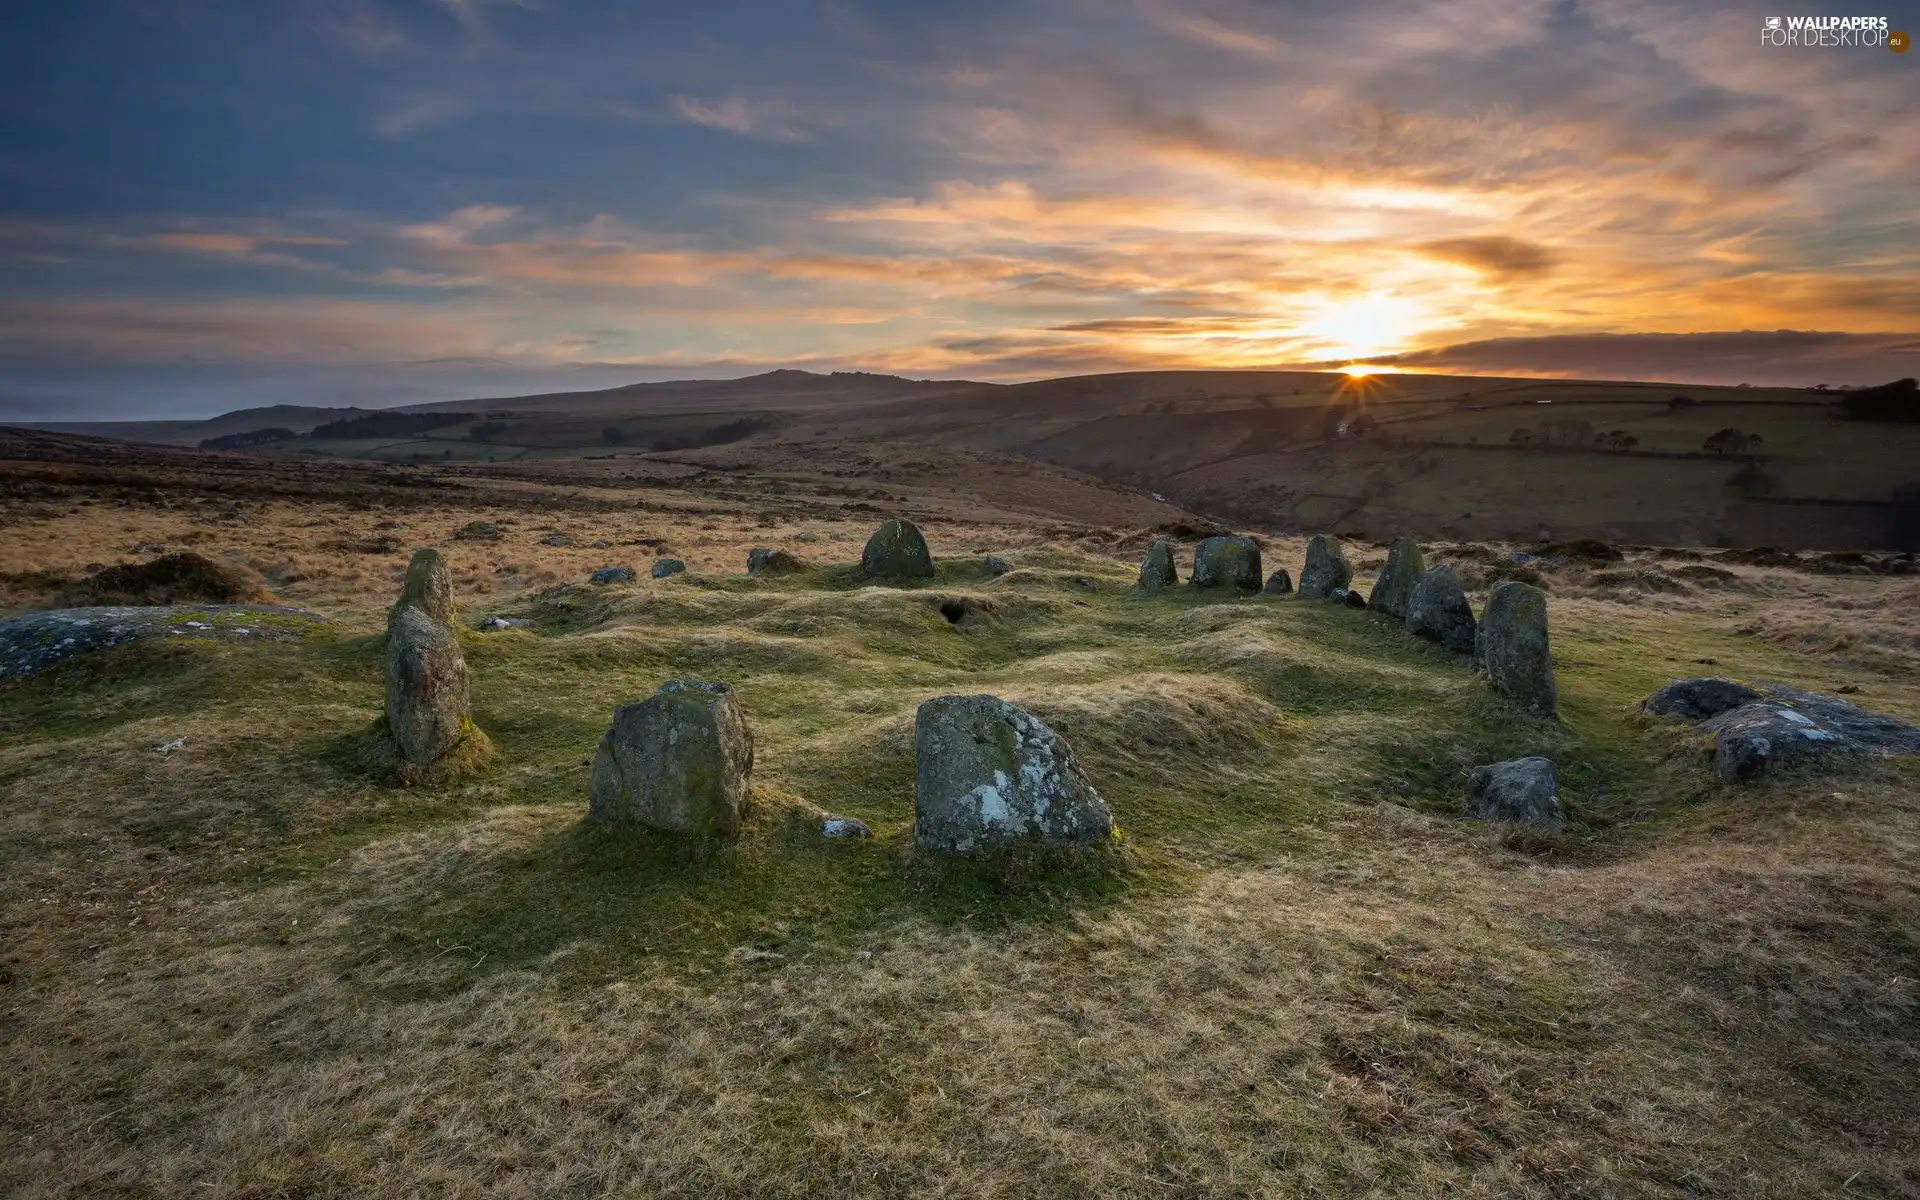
(1157, 569)
(987, 774)
(1523, 791)
(1326, 569)
(427, 587)
(897, 550)
(1438, 610)
(1227, 562)
(428, 711)
(1394, 590)
(678, 761)
(1513, 647)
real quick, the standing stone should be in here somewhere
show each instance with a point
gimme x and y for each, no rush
(1523, 791)
(427, 587)
(678, 760)
(987, 773)
(612, 575)
(1513, 645)
(1279, 583)
(897, 550)
(1438, 610)
(663, 567)
(1157, 569)
(763, 561)
(997, 566)
(1227, 562)
(1394, 590)
(428, 709)
(1327, 568)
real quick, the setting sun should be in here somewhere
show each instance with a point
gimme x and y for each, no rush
(1359, 371)
(1372, 324)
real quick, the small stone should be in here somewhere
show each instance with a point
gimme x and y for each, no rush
(1512, 645)
(428, 710)
(1327, 568)
(1697, 699)
(1352, 598)
(764, 561)
(1227, 562)
(987, 773)
(844, 827)
(556, 539)
(997, 566)
(663, 567)
(1157, 569)
(428, 587)
(679, 761)
(897, 550)
(479, 531)
(1279, 583)
(1394, 589)
(607, 575)
(598, 544)
(1438, 610)
(495, 624)
(1523, 791)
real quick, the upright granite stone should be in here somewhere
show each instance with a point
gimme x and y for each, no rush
(678, 761)
(764, 561)
(987, 774)
(427, 587)
(1327, 568)
(663, 567)
(897, 550)
(1227, 562)
(1279, 583)
(1438, 610)
(1157, 569)
(428, 710)
(1394, 590)
(1523, 791)
(1513, 648)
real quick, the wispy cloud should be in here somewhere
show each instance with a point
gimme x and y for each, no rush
(737, 114)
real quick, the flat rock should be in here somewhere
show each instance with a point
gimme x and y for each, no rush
(1227, 562)
(428, 709)
(844, 827)
(1327, 568)
(897, 550)
(35, 641)
(1279, 583)
(495, 624)
(1512, 645)
(1438, 610)
(556, 539)
(663, 567)
(1695, 699)
(987, 774)
(1157, 569)
(678, 760)
(1793, 725)
(607, 575)
(1393, 592)
(1523, 791)
(763, 560)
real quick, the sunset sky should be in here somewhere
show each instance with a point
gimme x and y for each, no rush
(205, 203)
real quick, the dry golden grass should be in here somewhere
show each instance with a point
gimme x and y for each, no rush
(251, 968)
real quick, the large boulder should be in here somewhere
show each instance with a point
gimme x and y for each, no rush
(1279, 583)
(428, 709)
(427, 587)
(1326, 569)
(1512, 646)
(987, 774)
(663, 567)
(897, 550)
(1157, 569)
(1227, 562)
(1708, 696)
(1438, 610)
(678, 760)
(606, 575)
(1786, 726)
(1394, 589)
(765, 561)
(1523, 791)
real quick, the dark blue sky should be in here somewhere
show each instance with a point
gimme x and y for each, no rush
(209, 202)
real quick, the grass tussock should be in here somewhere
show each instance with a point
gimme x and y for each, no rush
(182, 578)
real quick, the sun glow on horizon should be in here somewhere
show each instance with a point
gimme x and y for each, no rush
(1378, 323)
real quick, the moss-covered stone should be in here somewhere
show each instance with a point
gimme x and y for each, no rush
(1227, 562)
(1394, 589)
(427, 587)
(1326, 569)
(1157, 569)
(1512, 646)
(897, 550)
(428, 707)
(987, 774)
(678, 761)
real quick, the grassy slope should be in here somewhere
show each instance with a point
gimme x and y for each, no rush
(247, 969)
